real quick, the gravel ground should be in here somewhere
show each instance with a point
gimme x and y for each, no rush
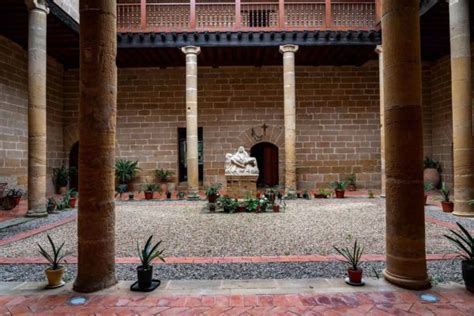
(305, 227)
(437, 213)
(10, 231)
(440, 271)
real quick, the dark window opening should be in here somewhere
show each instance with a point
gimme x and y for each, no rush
(183, 169)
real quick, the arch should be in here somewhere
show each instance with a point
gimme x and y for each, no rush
(71, 136)
(268, 164)
(74, 163)
(272, 134)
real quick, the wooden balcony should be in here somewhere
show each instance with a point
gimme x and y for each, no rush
(246, 15)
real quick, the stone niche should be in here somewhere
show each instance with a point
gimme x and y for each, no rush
(241, 172)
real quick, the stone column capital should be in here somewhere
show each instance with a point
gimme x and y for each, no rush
(191, 50)
(288, 48)
(379, 49)
(37, 5)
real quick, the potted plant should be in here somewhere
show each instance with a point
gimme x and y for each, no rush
(126, 171)
(60, 178)
(298, 195)
(55, 271)
(306, 195)
(464, 243)
(131, 196)
(164, 176)
(322, 194)
(147, 254)
(251, 204)
(446, 203)
(352, 257)
(120, 190)
(51, 206)
(180, 195)
(427, 188)
(149, 189)
(228, 204)
(168, 195)
(71, 197)
(431, 173)
(263, 204)
(241, 207)
(271, 194)
(351, 182)
(339, 188)
(258, 194)
(371, 194)
(212, 192)
(15, 194)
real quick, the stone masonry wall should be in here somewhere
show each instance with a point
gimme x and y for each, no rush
(14, 114)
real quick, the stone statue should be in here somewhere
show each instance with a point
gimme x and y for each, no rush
(240, 163)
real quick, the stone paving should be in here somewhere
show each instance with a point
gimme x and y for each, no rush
(269, 297)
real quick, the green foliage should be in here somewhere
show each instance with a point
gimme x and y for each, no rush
(339, 185)
(51, 205)
(444, 192)
(371, 194)
(431, 163)
(352, 179)
(213, 189)
(56, 257)
(263, 202)
(351, 256)
(126, 170)
(150, 187)
(149, 253)
(62, 175)
(428, 186)
(121, 189)
(15, 192)
(463, 241)
(180, 195)
(324, 191)
(163, 175)
(228, 204)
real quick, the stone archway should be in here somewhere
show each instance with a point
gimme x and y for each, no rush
(270, 134)
(71, 136)
(267, 159)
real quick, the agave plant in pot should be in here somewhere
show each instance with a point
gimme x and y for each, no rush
(149, 189)
(212, 192)
(339, 188)
(147, 254)
(464, 243)
(352, 257)
(126, 171)
(446, 203)
(55, 271)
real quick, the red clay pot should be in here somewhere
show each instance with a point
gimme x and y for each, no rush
(72, 202)
(448, 207)
(148, 195)
(240, 209)
(276, 208)
(355, 276)
(212, 198)
(257, 195)
(340, 194)
(17, 200)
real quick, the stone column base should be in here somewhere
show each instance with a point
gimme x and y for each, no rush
(37, 213)
(406, 283)
(238, 186)
(193, 196)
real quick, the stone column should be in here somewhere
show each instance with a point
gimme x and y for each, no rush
(37, 64)
(288, 52)
(405, 221)
(97, 124)
(382, 125)
(462, 107)
(192, 120)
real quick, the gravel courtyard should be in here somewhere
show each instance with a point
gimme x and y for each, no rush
(305, 227)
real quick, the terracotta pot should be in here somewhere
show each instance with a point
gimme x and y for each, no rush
(240, 209)
(54, 277)
(8, 203)
(468, 275)
(276, 208)
(148, 195)
(144, 277)
(448, 207)
(72, 201)
(164, 187)
(212, 198)
(431, 175)
(258, 194)
(355, 276)
(340, 194)
(17, 200)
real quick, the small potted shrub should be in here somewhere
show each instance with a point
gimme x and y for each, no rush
(352, 257)
(55, 271)
(446, 203)
(276, 207)
(351, 182)
(164, 177)
(61, 177)
(322, 194)
(180, 195)
(371, 194)
(15, 194)
(212, 192)
(263, 204)
(120, 190)
(339, 188)
(271, 195)
(251, 204)
(228, 204)
(298, 195)
(306, 195)
(431, 173)
(51, 206)
(464, 243)
(126, 171)
(149, 189)
(427, 188)
(131, 196)
(147, 254)
(71, 197)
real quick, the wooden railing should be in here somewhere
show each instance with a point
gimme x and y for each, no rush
(246, 15)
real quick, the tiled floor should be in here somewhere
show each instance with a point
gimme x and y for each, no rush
(257, 297)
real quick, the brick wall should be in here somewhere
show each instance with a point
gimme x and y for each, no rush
(14, 119)
(337, 118)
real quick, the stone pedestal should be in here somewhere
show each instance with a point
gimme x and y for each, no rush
(239, 185)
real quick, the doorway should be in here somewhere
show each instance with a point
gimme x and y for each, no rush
(74, 163)
(267, 160)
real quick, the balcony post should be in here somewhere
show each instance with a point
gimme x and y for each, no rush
(328, 20)
(143, 22)
(281, 15)
(192, 15)
(238, 14)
